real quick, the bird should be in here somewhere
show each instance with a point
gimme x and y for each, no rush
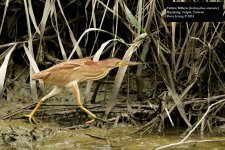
(69, 73)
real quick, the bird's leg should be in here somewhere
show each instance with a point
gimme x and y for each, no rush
(55, 91)
(76, 93)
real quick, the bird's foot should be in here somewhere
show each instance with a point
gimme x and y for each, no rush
(32, 119)
(91, 115)
(91, 121)
(96, 118)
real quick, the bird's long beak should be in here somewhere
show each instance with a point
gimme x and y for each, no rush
(132, 63)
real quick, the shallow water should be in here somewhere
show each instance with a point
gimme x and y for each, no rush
(52, 136)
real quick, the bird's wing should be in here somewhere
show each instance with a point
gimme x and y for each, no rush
(68, 65)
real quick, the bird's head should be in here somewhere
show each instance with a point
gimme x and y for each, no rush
(115, 62)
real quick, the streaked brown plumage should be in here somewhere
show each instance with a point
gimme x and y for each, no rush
(70, 73)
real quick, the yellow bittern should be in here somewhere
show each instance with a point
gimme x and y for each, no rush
(70, 73)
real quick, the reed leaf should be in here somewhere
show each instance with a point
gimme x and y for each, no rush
(4, 65)
(4, 14)
(74, 41)
(31, 13)
(127, 56)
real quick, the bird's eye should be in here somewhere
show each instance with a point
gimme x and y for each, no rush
(118, 63)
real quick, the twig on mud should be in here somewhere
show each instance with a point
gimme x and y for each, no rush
(74, 127)
(153, 121)
(25, 141)
(31, 133)
(98, 137)
(18, 111)
(187, 142)
(208, 110)
(197, 124)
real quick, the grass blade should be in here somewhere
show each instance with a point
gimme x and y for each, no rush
(4, 14)
(4, 65)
